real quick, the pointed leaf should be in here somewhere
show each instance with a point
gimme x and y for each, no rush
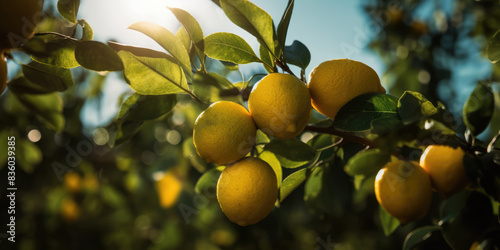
(271, 159)
(87, 31)
(298, 54)
(291, 153)
(57, 52)
(413, 106)
(266, 58)
(42, 79)
(97, 56)
(153, 76)
(183, 36)
(208, 181)
(68, 9)
(167, 40)
(141, 107)
(389, 223)
(358, 113)
(283, 25)
(139, 51)
(478, 109)
(251, 18)
(367, 162)
(419, 235)
(292, 182)
(191, 26)
(125, 130)
(494, 48)
(229, 47)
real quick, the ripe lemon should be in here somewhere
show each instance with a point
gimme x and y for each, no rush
(18, 20)
(280, 105)
(169, 188)
(334, 83)
(247, 191)
(224, 133)
(3, 72)
(70, 210)
(73, 182)
(445, 167)
(404, 190)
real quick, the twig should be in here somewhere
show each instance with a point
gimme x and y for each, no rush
(284, 66)
(347, 137)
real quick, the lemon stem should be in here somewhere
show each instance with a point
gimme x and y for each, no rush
(347, 137)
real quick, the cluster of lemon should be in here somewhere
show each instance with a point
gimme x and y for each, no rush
(279, 105)
(18, 20)
(404, 189)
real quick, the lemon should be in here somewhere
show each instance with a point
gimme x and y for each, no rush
(280, 105)
(404, 190)
(224, 133)
(445, 167)
(247, 191)
(334, 83)
(18, 20)
(73, 182)
(70, 210)
(3, 72)
(168, 188)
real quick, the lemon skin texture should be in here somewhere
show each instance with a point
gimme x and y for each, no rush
(404, 190)
(334, 83)
(224, 133)
(247, 191)
(280, 105)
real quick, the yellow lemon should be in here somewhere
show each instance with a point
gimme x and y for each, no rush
(247, 191)
(404, 190)
(445, 167)
(73, 182)
(280, 105)
(334, 83)
(169, 188)
(18, 20)
(70, 210)
(224, 133)
(3, 72)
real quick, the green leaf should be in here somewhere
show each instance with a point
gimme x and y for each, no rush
(123, 131)
(464, 217)
(273, 161)
(298, 54)
(68, 9)
(493, 48)
(478, 109)
(207, 183)
(229, 47)
(97, 56)
(266, 58)
(291, 153)
(292, 182)
(367, 162)
(386, 125)
(141, 107)
(323, 144)
(28, 155)
(41, 79)
(413, 106)
(183, 36)
(87, 31)
(191, 26)
(57, 52)
(189, 152)
(212, 87)
(167, 40)
(139, 51)
(358, 114)
(230, 65)
(48, 107)
(283, 25)
(419, 236)
(153, 76)
(251, 18)
(389, 223)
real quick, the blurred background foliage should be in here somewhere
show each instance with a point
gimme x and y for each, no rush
(77, 192)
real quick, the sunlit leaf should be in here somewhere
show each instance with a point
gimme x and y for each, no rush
(389, 223)
(87, 31)
(251, 18)
(153, 76)
(191, 26)
(57, 52)
(358, 114)
(207, 183)
(68, 9)
(291, 153)
(97, 56)
(266, 58)
(478, 109)
(494, 48)
(141, 107)
(298, 54)
(291, 182)
(229, 47)
(183, 36)
(271, 159)
(41, 79)
(139, 51)
(413, 106)
(283, 25)
(167, 40)
(367, 162)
